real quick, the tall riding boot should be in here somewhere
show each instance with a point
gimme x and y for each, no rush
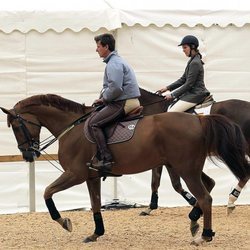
(106, 163)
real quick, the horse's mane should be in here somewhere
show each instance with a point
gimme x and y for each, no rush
(53, 101)
(147, 91)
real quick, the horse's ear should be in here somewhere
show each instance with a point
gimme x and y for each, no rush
(6, 111)
(9, 113)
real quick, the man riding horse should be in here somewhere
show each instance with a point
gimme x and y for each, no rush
(118, 97)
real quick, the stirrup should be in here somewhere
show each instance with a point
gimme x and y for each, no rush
(101, 166)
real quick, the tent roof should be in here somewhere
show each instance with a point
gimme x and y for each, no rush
(76, 15)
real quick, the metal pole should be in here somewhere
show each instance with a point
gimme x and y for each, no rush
(32, 190)
(115, 195)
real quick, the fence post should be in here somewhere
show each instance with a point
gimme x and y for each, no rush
(32, 189)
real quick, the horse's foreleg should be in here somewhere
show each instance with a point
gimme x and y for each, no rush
(155, 184)
(94, 187)
(66, 180)
(176, 183)
(234, 195)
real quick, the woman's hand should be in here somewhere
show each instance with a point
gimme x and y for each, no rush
(160, 91)
(169, 97)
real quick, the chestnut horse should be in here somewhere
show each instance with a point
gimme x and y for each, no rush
(161, 139)
(236, 110)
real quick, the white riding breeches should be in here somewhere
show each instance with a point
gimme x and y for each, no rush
(181, 106)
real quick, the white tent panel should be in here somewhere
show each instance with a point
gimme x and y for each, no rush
(178, 17)
(54, 52)
(43, 15)
(14, 192)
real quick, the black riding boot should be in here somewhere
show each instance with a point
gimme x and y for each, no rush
(106, 162)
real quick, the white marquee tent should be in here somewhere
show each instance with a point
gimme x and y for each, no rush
(50, 49)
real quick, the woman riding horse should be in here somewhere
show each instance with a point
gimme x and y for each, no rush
(190, 87)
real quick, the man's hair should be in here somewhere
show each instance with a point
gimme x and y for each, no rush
(106, 39)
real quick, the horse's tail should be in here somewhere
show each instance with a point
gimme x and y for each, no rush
(225, 140)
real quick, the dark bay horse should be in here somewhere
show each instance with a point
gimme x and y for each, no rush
(158, 140)
(236, 110)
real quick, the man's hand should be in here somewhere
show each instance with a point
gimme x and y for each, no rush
(97, 102)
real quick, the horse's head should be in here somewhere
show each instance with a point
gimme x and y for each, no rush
(153, 103)
(26, 129)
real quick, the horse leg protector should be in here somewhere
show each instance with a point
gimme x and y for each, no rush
(188, 197)
(52, 209)
(154, 201)
(208, 233)
(99, 227)
(195, 214)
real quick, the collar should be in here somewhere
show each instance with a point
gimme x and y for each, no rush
(106, 59)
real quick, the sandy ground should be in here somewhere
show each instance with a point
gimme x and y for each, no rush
(165, 228)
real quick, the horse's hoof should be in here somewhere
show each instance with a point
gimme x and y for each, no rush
(230, 208)
(201, 240)
(146, 212)
(194, 227)
(67, 225)
(198, 241)
(143, 213)
(91, 238)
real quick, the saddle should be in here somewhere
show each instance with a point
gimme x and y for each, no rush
(202, 108)
(120, 131)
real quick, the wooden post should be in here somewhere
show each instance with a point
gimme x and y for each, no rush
(32, 183)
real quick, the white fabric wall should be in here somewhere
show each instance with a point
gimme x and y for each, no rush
(66, 64)
(158, 61)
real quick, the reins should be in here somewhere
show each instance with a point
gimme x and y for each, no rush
(71, 126)
(159, 95)
(148, 104)
(65, 131)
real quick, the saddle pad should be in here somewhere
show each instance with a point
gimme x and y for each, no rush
(124, 131)
(203, 111)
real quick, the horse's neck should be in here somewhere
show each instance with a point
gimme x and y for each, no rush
(152, 104)
(55, 120)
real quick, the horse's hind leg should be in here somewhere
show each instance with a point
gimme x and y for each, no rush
(176, 183)
(196, 212)
(205, 202)
(66, 180)
(155, 184)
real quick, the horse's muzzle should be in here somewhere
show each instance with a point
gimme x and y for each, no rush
(30, 156)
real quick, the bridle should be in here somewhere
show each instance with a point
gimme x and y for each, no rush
(33, 144)
(35, 147)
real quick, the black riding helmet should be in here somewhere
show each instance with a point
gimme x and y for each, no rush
(192, 41)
